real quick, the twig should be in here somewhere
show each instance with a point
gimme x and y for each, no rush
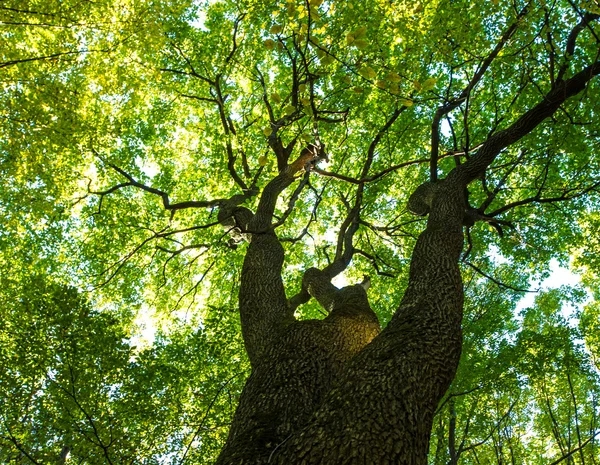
(212, 402)
(495, 281)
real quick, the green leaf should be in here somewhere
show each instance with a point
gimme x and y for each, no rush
(428, 84)
(360, 32)
(367, 72)
(360, 44)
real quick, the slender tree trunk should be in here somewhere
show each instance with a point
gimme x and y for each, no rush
(452, 434)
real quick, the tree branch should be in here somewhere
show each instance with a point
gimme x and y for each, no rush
(448, 107)
(382, 131)
(227, 128)
(495, 281)
(212, 402)
(492, 195)
(577, 449)
(567, 195)
(19, 446)
(163, 195)
(373, 259)
(382, 173)
(193, 72)
(88, 417)
(264, 309)
(586, 19)
(478, 163)
(119, 264)
(320, 280)
(46, 57)
(236, 25)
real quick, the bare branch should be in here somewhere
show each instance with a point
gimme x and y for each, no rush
(373, 259)
(197, 97)
(187, 73)
(227, 128)
(344, 253)
(193, 72)
(377, 139)
(342, 177)
(46, 57)
(345, 248)
(382, 173)
(194, 288)
(456, 394)
(119, 264)
(174, 253)
(293, 199)
(282, 152)
(313, 215)
(492, 195)
(568, 194)
(390, 230)
(192, 228)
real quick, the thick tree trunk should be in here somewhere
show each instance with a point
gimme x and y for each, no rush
(381, 407)
(336, 391)
(294, 375)
(294, 363)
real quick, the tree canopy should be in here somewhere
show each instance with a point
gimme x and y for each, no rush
(133, 133)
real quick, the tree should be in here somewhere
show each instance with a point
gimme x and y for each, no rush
(198, 156)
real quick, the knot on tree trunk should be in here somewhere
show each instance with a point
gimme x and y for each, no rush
(235, 221)
(419, 203)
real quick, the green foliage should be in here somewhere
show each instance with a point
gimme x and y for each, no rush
(527, 391)
(180, 95)
(72, 377)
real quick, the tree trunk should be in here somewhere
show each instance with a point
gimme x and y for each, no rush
(335, 390)
(338, 391)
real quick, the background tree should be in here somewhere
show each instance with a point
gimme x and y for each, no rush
(212, 169)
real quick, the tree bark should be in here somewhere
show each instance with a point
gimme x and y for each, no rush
(381, 407)
(294, 363)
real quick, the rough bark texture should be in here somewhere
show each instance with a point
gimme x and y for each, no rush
(295, 374)
(381, 407)
(337, 391)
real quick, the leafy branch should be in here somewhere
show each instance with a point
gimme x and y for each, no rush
(496, 281)
(167, 205)
(463, 96)
(567, 194)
